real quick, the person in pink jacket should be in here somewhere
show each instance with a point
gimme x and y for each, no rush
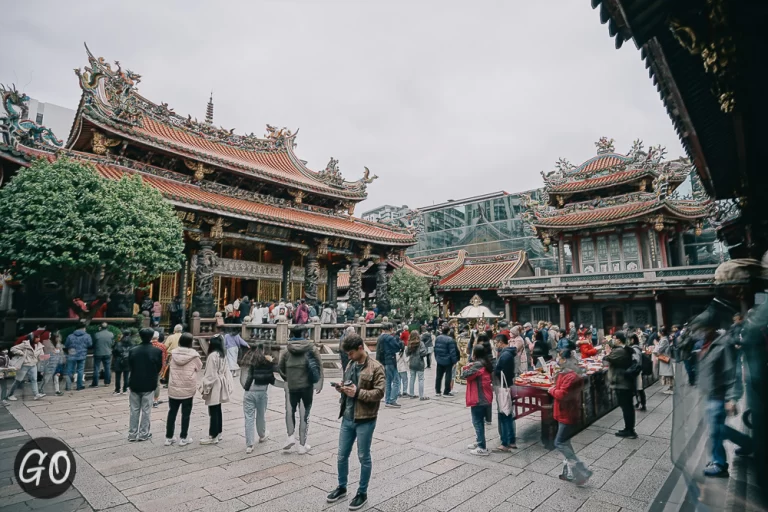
(185, 366)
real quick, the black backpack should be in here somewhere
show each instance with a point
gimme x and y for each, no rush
(647, 364)
(313, 368)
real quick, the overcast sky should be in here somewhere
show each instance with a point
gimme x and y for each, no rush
(441, 99)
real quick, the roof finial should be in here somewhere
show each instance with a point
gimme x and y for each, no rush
(209, 110)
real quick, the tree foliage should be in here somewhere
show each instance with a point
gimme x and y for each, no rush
(409, 295)
(62, 221)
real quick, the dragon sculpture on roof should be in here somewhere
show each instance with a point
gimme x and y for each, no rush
(15, 128)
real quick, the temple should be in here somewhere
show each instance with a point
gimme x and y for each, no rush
(618, 231)
(257, 221)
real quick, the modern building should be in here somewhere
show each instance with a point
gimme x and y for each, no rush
(386, 214)
(619, 236)
(256, 220)
(58, 119)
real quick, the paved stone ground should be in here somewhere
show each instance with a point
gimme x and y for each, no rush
(419, 453)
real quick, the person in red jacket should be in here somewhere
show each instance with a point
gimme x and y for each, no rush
(585, 348)
(479, 394)
(567, 412)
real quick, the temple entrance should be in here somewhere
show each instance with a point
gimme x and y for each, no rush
(613, 318)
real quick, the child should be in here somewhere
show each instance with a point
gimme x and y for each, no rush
(567, 411)
(479, 395)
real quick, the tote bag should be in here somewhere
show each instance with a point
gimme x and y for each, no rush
(504, 397)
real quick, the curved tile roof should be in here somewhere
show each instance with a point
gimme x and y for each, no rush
(621, 213)
(484, 273)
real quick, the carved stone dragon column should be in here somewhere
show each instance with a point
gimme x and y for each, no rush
(203, 300)
(382, 288)
(311, 272)
(330, 287)
(355, 285)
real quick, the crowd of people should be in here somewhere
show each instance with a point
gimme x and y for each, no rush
(297, 312)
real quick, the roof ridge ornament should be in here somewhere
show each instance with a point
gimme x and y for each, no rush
(605, 145)
(15, 128)
(331, 174)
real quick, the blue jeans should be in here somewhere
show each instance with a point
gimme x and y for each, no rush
(719, 432)
(78, 366)
(417, 375)
(563, 445)
(478, 421)
(363, 432)
(392, 389)
(103, 361)
(506, 429)
(403, 382)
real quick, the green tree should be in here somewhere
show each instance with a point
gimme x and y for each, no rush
(62, 221)
(409, 295)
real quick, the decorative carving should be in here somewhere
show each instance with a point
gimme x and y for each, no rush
(322, 247)
(217, 227)
(355, 284)
(366, 251)
(350, 206)
(604, 145)
(311, 274)
(200, 169)
(249, 269)
(658, 223)
(710, 38)
(281, 137)
(298, 195)
(101, 143)
(15, 128)
(382, 288)
(331, 175)
(204, 272)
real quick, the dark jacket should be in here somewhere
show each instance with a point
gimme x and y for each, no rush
(506, 363)
(120, 355)
(102, 343)
(618, 361)
(719, 369)
(245, 309)
(77, 345)
(387, 348)
(426, 339)
(293, 365)
(144, 363)
(416, 358)
(446, 351)
(260, 375)
(540, 349)
(370, 390)
(349, 313)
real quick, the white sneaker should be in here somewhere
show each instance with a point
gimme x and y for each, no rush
(303, 449)
(169, 441)
(289, 443)
(39, 396)
(219, 438)
(12, 398)
(249, 449)
(265, 438)
(185, 441)
(471, 446)
(480, 451)
(6, 403)
(210, 440)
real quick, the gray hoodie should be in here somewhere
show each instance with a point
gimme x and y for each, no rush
(293, 365)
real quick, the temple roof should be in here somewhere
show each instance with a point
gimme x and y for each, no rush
(437, 265)
(110, 101)
(484, 272)
(280, 213)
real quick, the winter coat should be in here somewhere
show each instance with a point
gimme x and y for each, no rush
(387, 348)
(637, 356)
(567, 395)
(664, 349)
(720, 370)
(370, 316)
(506, 363)
(618, 361)
(370, 390)
(349, 313)
(301, 316)
(293, 365)
(120, 355)
(402, 361)
(327, 316)
(258, 375)
(172, 342)
(426, 339)
(234, 340)
(479, 388)
(184, 368)
(522, 357)
(416, 359)
(540, 349)
(216, 386)
(31, 354)
(144, 362)
(77, 345)
(446, 351)
(102, 343)
(245, 308)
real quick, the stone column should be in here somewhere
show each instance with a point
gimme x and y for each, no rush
(311, 272)
(330, 286)
(355, 285)
(560, 256)
(286, 278)
(382, 288)
(183, 276)
(203, 301)
(681, 249)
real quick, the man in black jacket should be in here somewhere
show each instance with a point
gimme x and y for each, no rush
(144, 363)
(505, 365)
(387, 348)
(446, 355)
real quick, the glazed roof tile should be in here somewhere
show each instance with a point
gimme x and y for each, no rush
(605, 161)
(439, 264)
(479, 273)
(614, 178)
(622, 213)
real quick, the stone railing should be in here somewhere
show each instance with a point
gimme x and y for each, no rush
(660, 279)
(13, 326)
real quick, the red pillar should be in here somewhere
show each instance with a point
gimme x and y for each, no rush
(663, 246)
